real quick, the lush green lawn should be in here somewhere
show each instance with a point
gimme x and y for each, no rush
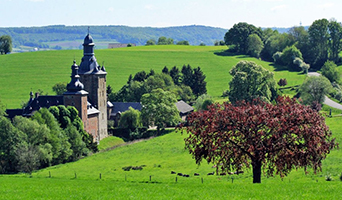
(110, 141)
(159, 156)
(24, 72)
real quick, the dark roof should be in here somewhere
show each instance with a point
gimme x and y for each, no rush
(11, 113)
(123, 106)
(88, 63)
(42, 102)
(184, 107)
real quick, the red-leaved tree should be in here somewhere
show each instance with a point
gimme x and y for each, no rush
(274, 138)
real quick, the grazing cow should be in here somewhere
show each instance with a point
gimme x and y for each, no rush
(196, 174)
(172, 172)
(186, 175)
(231, 173)
(211, 173)
(223, 174)
(180, 174)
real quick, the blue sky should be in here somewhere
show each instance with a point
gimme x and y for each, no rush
(163, 13)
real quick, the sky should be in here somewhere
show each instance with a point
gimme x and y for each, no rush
(165, 13)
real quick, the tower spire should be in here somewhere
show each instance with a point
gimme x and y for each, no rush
(75, 85)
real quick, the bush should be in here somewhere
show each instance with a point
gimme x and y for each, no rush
(276, 57)
(338, 96)
(329, 70)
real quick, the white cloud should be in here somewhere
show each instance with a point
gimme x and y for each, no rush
(111, 9)
(280, 7)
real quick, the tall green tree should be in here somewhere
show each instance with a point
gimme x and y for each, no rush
(130, 119)
(255, 45)
(318, 38)
(300, 37)
(335, 39)
(175, 75)
(187, 73)
(238, 35)
(10, 139)
(251, 81)
(5, 44)
(38, 135)
(199, 85)
(159, 109)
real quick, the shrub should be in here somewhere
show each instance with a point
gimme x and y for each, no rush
(276, 57)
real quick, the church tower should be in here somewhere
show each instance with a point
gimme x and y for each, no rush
(76, 96)
(94, 79)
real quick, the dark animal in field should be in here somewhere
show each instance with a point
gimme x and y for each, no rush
(231, 173)
(180, 174)
(172, 172)
(238, 172)
(186, 175)
(211, 173)
(223, 174)
(196, 174)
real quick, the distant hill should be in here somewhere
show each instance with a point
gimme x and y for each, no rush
(69, 37)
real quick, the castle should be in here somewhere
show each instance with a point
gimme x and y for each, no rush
(86, 92)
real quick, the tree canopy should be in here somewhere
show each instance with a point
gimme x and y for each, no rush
(238, 36)
(314, 89)
(5, 44)
(159, 109)
(251, 81)
(274, 137)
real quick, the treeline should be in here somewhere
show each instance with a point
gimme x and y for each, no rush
(41, 36)
(186, 84)
(50, 137)
(322, 41)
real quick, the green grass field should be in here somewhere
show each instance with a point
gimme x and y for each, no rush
(159, 156)
(24, 72)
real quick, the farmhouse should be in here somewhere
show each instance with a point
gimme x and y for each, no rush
(86, 92)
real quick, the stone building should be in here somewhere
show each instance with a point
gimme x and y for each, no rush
(93, 78)
(86, 92)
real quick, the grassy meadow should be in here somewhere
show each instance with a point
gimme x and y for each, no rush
(158, 157)
(101, 176)
(24, 72)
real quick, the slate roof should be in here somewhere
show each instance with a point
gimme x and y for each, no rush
(183, 107)
(123, 106)
(42, 102)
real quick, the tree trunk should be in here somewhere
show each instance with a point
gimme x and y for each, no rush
(256, 172)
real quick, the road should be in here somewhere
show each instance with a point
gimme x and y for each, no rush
(327, 100)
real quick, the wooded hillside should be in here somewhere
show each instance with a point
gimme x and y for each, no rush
(49, 36)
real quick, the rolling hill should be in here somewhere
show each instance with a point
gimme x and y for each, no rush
(33, 71)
